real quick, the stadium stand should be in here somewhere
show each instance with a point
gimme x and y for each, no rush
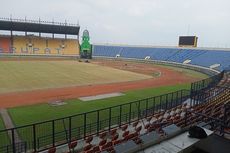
(161, 119)
(20, 44)
(32, 44)
(5, 44)
(38, 45)
(129, 127)
(54, 45)
(164, 123)
(200, 57)
(183, 55)
(213, 57)
(71, 47)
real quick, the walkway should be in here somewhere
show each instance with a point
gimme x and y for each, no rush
(9, 124)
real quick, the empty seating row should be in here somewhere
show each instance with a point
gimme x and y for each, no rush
(39, 45)
(162, 122)
(201, 57)
(109, 140)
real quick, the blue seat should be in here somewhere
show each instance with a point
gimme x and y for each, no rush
(201, 57)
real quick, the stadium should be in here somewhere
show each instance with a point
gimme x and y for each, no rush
(61, 94)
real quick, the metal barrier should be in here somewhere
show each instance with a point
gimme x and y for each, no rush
(43, 135)
(219, 125)
(199, 88)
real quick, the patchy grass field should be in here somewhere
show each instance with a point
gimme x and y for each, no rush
(32, 75)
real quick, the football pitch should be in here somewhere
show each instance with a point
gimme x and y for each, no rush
(18, 76)
(71, 73)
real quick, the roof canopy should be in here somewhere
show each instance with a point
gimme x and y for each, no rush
(39, 26)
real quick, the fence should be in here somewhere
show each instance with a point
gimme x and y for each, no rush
(220, 125)
(41, 136)
(199, 88)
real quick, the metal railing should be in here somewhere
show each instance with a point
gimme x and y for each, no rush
(43, 135)
(39, 21)
(217, 124)
(199, 88)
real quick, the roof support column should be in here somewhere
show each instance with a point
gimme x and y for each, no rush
(11, 39)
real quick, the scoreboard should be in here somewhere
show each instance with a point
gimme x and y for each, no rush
(188, 41)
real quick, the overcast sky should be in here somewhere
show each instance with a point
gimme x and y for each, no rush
(140, 22)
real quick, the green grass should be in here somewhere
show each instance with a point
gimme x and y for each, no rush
(187, 72)
(41, 112)
(4, 139)
(33, 75)
(36, 113)
(1, 124)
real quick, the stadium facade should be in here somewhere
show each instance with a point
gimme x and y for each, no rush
(144, 123)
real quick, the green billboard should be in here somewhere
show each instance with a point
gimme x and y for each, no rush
(86, 47)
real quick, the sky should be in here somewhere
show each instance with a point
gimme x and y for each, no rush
(134, 22)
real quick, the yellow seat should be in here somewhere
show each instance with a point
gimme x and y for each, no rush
(40, 45)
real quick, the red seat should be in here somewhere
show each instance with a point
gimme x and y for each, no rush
(113, 132)
(89, 139)
(139, 129)
(123, 128)
(102, 135)
(147, 126)
(115, 137)
(116, 142)
(135, 135)
(108, 146)
(135, 124)
(72, 145)
(103, 147)
(52, 150)
(96, 149)
(125, 134)
(87, 147)
(89, 151)
(128, 137)
(150, 129)
(110, 149)
(102, 142)
(149, 119)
